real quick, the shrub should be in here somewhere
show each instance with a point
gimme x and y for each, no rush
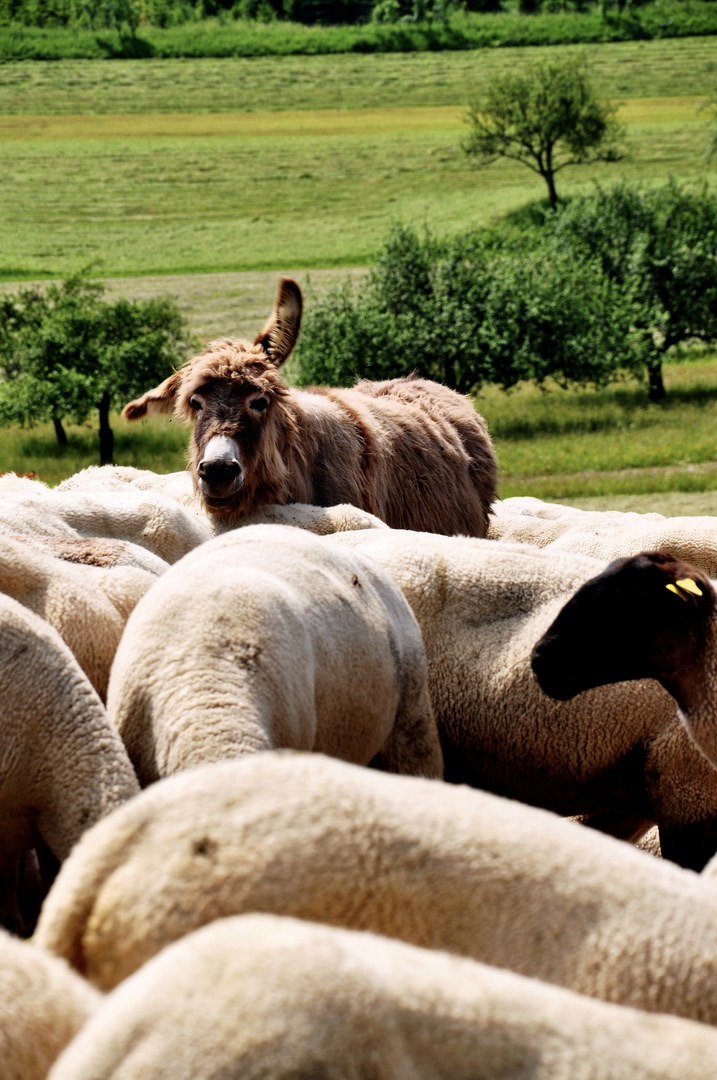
(659, 247)
(471, 311)
(66, 351)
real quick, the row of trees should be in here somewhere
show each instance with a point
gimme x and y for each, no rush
(113, 14)
(66, 351)
(611, 284)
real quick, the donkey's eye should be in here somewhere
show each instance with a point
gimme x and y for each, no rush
(196, 403)
(259, 404)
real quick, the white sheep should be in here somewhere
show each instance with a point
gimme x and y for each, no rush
(95, 551)
(267, 637)
(433, 864)
(177, 485)
(610, 534)
(62, 765)
(617, 754)
(267, 998)
(43, 1004)
(87, 605)
(150, 519)
(529, 506)
(317, 519)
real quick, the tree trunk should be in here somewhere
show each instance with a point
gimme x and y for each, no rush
(107, 439)
(60, 432)
(657, 386)
(552, 193)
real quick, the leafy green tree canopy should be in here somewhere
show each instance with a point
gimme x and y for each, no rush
(546, 117)
(659, 246)
(66, 351)
(467, 312)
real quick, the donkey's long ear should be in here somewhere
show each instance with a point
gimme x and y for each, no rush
(278, 337)
(159, 400)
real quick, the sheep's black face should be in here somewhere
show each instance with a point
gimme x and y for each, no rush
(639, 619)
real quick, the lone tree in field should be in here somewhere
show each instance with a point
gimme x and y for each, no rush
(547, 118)
(67, 351)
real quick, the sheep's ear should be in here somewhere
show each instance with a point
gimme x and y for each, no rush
(278, 337)
(159, 400)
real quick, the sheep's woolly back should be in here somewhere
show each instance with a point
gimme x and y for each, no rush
(87, 605)
(177, 485)
(436, 865)
(62, 763)
(321, 520)
(96, 551)
(11, 483)
(150, 519)
(266, 998)
(267, 637)
(42, 1006)
(527, 505)
(611, 535)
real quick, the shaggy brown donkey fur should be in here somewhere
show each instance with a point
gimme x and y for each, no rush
(410, 451)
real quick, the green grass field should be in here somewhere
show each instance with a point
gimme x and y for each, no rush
(178, 192)
(178, 168)
(593, 449)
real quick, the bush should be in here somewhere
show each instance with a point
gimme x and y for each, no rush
(66, 351)
(469, 312)
(659, 247)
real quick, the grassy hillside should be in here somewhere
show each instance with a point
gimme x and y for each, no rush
(182, 193)
(201, 165)
(667, 68)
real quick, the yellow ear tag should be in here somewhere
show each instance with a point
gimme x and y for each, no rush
(676, 591)
(689, 586)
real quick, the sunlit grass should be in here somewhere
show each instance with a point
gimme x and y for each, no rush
(276, 190)
(557, 444)
(152, 444)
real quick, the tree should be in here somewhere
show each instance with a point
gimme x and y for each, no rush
(659, 247)
(546, 118)
(470, 311)
(67, 351)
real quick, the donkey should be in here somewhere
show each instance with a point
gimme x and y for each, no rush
(410, 451)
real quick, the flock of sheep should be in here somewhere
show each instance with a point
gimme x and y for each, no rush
(291, 914)
(216, 884)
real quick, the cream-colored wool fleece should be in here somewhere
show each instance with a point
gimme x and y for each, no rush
(619, 753)
(62, 764)
(267, 998)
(436, 865)
(42, 1006)
(267, 637)
(150, 519)
(317, 519)
(610, 534)
(87, 605)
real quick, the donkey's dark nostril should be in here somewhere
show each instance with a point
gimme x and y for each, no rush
(223, 469)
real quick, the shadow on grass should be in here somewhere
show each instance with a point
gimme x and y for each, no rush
(125, 46)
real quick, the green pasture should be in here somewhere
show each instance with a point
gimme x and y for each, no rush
(603, 449)
(277, 189)
(662, 68)
(564, 445)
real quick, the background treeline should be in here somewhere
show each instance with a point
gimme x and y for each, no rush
(501, 21)
(607, 285)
